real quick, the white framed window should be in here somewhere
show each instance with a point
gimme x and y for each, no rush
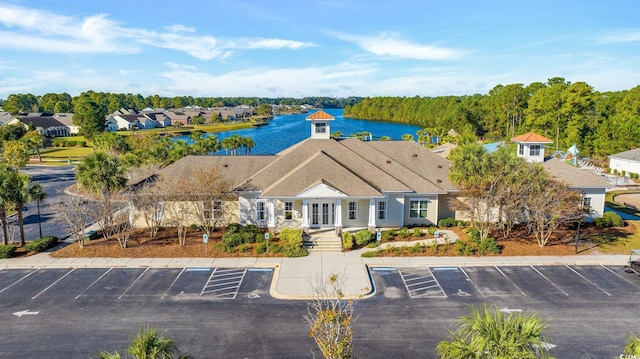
(261, 213)
(288, 210)
(534, 150)
(353, 210)
(321, 127)
(586, 204)
(382, 210)
(213, 210)
(418, 208)
(521, 149)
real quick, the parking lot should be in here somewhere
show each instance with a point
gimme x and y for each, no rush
(494, 282)
(131, 284)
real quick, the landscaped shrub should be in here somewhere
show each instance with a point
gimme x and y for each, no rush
(6, 251)
(607, 170)
(347, 240)
(41, 244)
(274, 248)
(417, 232)
(237, 234)
(291, 240)
(243, 248)
(370, 254)
(363, 237)
(489, 246)
(447, 222)
(475, 245)
(609, 219)
(260, 248)
(373, 244)
(416, 248)
(388, 235)
(403, 232)
(432, 230)
(290, 237)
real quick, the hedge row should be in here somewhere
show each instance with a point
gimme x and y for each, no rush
(6, 251)
(41, 244)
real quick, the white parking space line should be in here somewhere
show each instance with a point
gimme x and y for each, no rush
(469, 280)
(588, 281)
(224, 283)
(92, 283)
(548, 280)
(510, 281)
(415, 281)
(172, 283)
(19, 280)
(52, 284)
(612, 271)
(132, 283)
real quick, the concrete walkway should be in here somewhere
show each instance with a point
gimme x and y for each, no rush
(298, 278)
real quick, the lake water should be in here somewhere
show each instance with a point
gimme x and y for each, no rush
(286, 130)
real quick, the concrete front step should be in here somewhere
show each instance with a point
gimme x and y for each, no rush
(323, 243)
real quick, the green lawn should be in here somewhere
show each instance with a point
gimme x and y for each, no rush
(63, 153)
(616, 242)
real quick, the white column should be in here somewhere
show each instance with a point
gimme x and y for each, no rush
(305, 213)
(338, 221)
(372, 213)
(271, 214)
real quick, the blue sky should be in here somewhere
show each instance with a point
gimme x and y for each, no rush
(314, 48)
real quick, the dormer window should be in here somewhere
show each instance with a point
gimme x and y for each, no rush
(321, 127)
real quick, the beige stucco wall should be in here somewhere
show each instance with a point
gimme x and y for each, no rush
(230, 214)
(432, 211)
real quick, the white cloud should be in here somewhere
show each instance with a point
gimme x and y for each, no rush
(390, 45)
(37, 30)
(622, 36)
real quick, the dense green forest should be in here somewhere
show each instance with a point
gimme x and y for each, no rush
(110, 102)
(599, 123)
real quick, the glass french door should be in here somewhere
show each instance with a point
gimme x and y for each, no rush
(322, 214)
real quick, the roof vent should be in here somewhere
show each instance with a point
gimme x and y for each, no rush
(439, 166)
(415, 155)
(388, 161)
(225, 165)
(439, 181)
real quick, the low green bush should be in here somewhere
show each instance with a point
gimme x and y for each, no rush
(347, 240)
(244, 248)
(373, 244)
(260, 248)
(416, 248)
(41, 244)
(432, 230)
(447, 222)
(291, 237)
(363, 237)
(417, 232)
(388, 235)
(403, 232)
(609, 219)
(489, 246)
(6, 251)
(369, 254)
(274, 247)
(293, 252)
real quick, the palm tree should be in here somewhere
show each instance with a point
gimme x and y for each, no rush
(248, 143)
(4, 204)
(148, 344)
(487, 333)
(36, 193)
(16, 193)
(101, 174)
(34, 140)
(632, 346)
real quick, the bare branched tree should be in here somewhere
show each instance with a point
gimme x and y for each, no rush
(550, 205)
(150, 207)
(331, 319)
(72, 211)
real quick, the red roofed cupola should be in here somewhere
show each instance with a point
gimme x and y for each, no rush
(320, 128)
(531, 146)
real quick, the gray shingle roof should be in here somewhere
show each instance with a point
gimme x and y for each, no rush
(631, 155)
(573, 176)
(351, 166)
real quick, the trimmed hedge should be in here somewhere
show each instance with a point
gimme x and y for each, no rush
(41, 244)
(6, 251)
(609, 219)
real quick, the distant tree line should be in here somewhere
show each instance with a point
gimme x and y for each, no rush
(110, 102)
(600, 123)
